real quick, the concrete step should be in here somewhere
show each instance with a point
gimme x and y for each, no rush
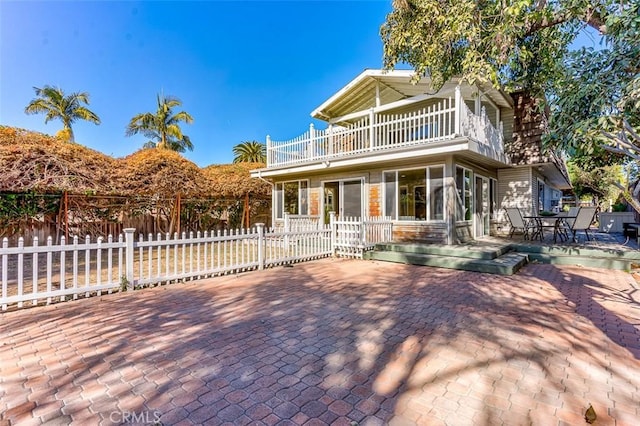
(506, 264)
(605, 262)
(578, 251)
(468, 251)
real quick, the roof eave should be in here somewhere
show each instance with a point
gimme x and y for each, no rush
(367, 73)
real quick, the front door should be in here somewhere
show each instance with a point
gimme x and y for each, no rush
(343, 197)
(481, 216)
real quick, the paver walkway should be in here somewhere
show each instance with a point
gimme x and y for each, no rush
(334, 342)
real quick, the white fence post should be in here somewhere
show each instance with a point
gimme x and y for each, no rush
(363, 231)
(260, 230)
(287, 229)
(5, 273)
(333, 226)
(128, 252)
(20, 269)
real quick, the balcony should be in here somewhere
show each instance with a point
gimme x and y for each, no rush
(383, 132)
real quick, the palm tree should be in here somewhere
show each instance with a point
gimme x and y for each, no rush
(250, 152)
(163, 127)
(56, 105)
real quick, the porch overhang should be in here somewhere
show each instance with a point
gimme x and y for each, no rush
(555, 176)
(460, 146)
(374, 88)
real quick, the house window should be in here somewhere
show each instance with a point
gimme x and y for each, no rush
(541, 195)
(416, 194)
(436, 193)
(464, 194)
(390, 195)
(291, 197)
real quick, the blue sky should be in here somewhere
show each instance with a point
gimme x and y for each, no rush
(242, 69)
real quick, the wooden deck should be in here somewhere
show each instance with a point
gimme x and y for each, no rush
(504, 256)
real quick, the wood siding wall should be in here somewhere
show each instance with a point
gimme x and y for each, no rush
(375, 200)
(420, 232)
(528, 127)
(515, 190)
(314, 201)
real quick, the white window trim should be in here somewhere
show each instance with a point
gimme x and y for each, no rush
(472, 181)
(275, 194)
(427, 189)
(364, 197)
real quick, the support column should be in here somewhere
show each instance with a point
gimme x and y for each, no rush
(458, 111)
(450, 199)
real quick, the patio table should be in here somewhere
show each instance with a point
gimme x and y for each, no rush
(540, 224)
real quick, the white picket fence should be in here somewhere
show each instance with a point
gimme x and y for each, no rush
(354, 236)
(50, 273)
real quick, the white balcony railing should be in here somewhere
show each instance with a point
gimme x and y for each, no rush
(378, 132)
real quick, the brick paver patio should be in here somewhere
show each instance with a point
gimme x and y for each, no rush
(334, 342)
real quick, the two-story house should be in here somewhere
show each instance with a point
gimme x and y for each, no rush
(441, 165)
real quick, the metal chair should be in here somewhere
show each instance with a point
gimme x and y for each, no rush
(518, 222)
(564, 223)
(572, 213)
(582, 222)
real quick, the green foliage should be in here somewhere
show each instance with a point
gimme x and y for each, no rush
(52, 102)
(17, 211)
(124, 283)
(163, 127)
(514, 43)
(593, 95)
(597, 181)
(250, 152)
(619, 207)
(599, 90)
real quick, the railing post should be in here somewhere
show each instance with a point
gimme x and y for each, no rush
(330, 139)
(269, 151)
(458, 111)
(128, 253)
(260, 230)
(372, 130)
(332, 224)
(312, 137)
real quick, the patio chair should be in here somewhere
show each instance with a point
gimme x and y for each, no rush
(565, 224)
(572, 213)
(518, 222)
(582, 222)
